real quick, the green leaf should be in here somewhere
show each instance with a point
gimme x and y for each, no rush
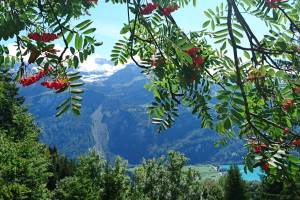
(207, 14)
(246, 54)
(82, 24)
(213, 26)
(72, 74)
(238, 101)
(227, 123)
(76, 105)
(77, 98)
(237, 114)
(61, 90)
(75, 61)
(98, 44)
(222, 31)
(78, 42)
(205, 24)
(76, 91)
(238, 34)
(63, 103)
(74, 78)
(63, 110)
(72, 50)
(89, 39)
(294, 159)
(70, 37)
(89, 31)
(13, 62)
(223, 47)
(39, 60)
(76, 111)
(73, 85)
(81, 58)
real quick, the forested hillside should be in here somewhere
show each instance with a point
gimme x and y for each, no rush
(31, 170)
(115, 122)
(223, 81)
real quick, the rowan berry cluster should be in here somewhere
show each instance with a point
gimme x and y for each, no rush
(296, 142)
(44, 37)
(197, 60)
(265, 166)
(287, 104)
(272, 3)
(260, 148)
(169, 9)
(255, 75)
(34, 78)
(57, 84)
(150, 7)
(296, 90)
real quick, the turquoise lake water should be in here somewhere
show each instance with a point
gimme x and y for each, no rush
(255, 176)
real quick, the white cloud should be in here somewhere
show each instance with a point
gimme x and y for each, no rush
(96, 64)
(93, 77)
(12, 49)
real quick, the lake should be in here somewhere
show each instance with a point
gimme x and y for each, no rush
(255, 176)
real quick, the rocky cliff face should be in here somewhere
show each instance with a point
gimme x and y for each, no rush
(99, 131)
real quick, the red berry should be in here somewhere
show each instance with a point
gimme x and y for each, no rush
(296, 90)
(34, 78)
(287, 104)
(34, 36)
(194, 77)
(272, 3)
(250, 78)
(45, 37)
(169, 9)
(149, 8)
(286, 130)
(296, 142)
(192, 51)
(265, 166)
(198, 61)
(258, 149)
(57, 85)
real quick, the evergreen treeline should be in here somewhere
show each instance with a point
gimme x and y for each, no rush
(24, 162)
(31, 170)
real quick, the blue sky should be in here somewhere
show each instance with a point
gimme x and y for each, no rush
(109, 18)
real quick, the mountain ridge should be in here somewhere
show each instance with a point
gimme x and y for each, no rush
(114, 120)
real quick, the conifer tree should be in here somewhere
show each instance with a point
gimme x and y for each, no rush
(23, 160)
(234, 185)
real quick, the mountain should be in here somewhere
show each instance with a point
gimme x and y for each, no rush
(114, 120)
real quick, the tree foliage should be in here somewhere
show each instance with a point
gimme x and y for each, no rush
(23, 160)
(234, 185)
(254, 80)
(256, 83)
(35, 25)
(163, 178)
(272, 188)
(60, 168)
